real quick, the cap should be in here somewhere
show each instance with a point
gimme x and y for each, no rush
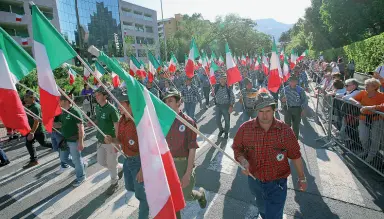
(247, 81)
(122, 96)
(101, 90)
(29, 93)
(263, 100)
(172, 92)
(293, 77)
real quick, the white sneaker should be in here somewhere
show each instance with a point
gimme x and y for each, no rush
(61, 170)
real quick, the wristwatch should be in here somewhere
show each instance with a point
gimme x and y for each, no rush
(303, 180)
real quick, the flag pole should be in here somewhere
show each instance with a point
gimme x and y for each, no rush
(29, 112)
(89, 119)
(94, 51)
(24, 86)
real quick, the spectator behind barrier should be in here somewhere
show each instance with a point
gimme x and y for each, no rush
(352, 89)
(371, 125)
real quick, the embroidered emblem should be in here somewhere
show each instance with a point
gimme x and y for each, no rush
(280, 157)
(182, 128)
(131, 142)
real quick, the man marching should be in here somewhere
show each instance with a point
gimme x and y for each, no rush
(106, 119)
(248, 100)
(191, 97)
(182, 143)
(72, 131)
(267, 159)
(294, 102)
(224, 99)
(128, 139)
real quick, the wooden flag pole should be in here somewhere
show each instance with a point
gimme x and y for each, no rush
(29, 112)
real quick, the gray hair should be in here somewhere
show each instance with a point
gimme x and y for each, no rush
(352, 81)
(374, 82)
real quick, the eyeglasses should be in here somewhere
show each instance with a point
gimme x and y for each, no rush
(347, 85)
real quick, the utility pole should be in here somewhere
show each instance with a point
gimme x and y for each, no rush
(165, 39)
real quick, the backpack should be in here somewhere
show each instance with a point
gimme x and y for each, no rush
(217, 86)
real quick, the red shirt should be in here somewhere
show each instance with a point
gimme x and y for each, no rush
(180, 138)
(127, 135)
(266, 151)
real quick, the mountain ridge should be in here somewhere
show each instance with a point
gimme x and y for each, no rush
(272, 27)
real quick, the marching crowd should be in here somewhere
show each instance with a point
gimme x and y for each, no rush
(265, 162)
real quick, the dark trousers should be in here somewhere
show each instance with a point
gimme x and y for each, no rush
(39, 137)
(292, 117)
(270, 197)
(206, 91)
(3, 156)
(222, 111)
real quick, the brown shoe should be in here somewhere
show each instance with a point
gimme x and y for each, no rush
(30, 164)
(113, 188)
(202, 200)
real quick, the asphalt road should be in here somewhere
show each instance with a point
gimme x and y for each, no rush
(339, 186)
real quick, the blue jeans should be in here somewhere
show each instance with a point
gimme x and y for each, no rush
(190, 110)
(76, 161)
(56, 139)
(222, 110)
(248, 115)
(131, 167)
(270, 197)
(3, 157)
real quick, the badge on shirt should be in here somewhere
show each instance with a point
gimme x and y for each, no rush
(280, 157)
(182, 128)
(131, 142)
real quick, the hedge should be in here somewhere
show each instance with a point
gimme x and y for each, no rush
(367, 54)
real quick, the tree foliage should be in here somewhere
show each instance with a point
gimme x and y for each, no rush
(335, 23)
(239, 32)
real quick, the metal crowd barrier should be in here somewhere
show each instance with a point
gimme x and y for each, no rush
(86, 103)
(361, 134)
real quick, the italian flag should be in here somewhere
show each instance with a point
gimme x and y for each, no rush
(213, 68)
(233, 73)
(282, 54)
(153, 121)
(243, 60)
(305, 54)
(221, 60)
(71, 73)
(172, 64)
(99, 71)
(213, 56)
(265, 63)
(115, 77)
(275, 74)
(257, 64)
(19, 17)
(134, 66)
(15, 63)
(292, 62)
(86, 73)
(193, 54)
(205, 61)
(185, 60)
(153, 65)
(51, 51)
(286, 69)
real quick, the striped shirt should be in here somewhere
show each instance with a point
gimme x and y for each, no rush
(222, 96)
(295, 96)
(303, 79)
(190, 95)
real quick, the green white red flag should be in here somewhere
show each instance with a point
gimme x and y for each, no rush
(99, 71)
(265, 63)
(275, 74)
(303, 55)
(71, 73)
(243, 60)
(221, 60)
(233, 73)
(292, 62)
(153, 65)
(205, 61)
(153, 120)
(193, 54)
(15, 63)
(172, 64)
(212, 69)
(286, 73)
(257, 64)
(51, 51)
(282, 54)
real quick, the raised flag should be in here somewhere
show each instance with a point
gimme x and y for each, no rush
(115, 77)
(221, 60)
(86, 73)
(99, 71)
(153, 65)
(265, 63)
(134, 66)
(19, 17)
(243, 60)
(257, 64)
(286, 69)
(71, 74)
(15, 63)
(213, 56)
(24, 41)
(305, 54)
(282, 54)
(153, 121)
(292, 62)
(172, 64)
(275, 74)
(233, 73)
(205, 61)
(193, 54)
(51, 51)
(212, 69)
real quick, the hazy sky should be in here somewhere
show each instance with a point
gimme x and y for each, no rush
(285, 11)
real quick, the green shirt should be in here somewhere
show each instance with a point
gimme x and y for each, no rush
(57, 119)
(106, 116)
(36, 109)
(69, 124)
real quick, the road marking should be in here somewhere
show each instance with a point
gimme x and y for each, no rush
(70, 196)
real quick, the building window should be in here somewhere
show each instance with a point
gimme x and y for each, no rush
(140, 40)
(148, 29)
(150, 41)
(12, 8)
(148, 17)
(137, 14)
(141, 53)
(139, 27)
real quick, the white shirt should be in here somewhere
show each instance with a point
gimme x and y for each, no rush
(351, 95)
